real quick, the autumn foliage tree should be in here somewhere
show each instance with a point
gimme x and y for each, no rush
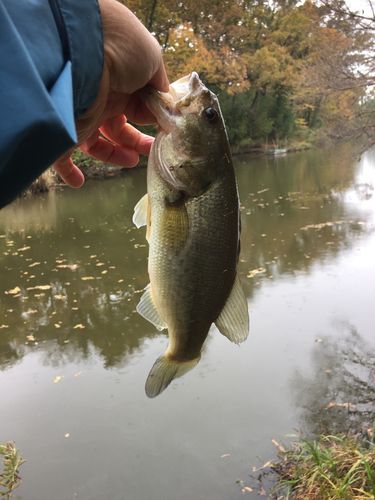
(282, 68)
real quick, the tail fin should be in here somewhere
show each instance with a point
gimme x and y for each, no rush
(164, 371)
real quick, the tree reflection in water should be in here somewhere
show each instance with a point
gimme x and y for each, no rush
(340, 395)
(83, 249)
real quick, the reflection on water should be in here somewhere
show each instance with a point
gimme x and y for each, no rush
(72, 271)
(340, 395)
(73, 267)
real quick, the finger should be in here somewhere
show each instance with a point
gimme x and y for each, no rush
(125, 135)
(130, 105)
(105, 151)
(137, 111)
(160, 79)
(69, 172)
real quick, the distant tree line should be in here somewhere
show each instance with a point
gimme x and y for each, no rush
(283, 69)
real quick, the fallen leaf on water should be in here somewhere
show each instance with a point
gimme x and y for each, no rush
(263, 190)
(39, 287)
(72, 267)
(246, 489)
(23, 249)
(13, 291)
(120, 281)
(93, 256)
(67, 435)
(57, 379)
(79, 326)
(3, 326)
(87, 278)
(56, 325)
(278, 446)
(30, 338)
(225, 455)
(267, 464)
(105, 271)
(34, 264)
(59, 297)
(254, 272)
(348, 406)
(99, 264)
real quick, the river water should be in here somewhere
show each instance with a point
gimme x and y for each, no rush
(74, 354)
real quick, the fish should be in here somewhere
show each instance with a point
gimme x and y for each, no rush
(191, 211)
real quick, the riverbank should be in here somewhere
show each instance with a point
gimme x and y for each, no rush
(330, 467)
(97, 170)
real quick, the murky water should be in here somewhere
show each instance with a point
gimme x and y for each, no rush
(74, 354)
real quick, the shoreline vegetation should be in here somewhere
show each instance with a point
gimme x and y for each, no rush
(94, 169)
(329, 467)
(10, 463)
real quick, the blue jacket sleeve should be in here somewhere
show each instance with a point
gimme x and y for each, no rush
(51, 58)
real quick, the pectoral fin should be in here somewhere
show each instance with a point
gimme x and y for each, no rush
(147, 309)
(140, 212)
(163, 372)
(233, 321)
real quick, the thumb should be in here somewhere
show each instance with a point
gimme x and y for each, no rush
(160, 79)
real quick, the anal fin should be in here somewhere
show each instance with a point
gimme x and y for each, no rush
(147, 309)
(233, 321)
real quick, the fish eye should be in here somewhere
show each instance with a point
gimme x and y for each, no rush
(211, 114)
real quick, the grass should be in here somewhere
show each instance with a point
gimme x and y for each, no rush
(331, 467)
(9, 469)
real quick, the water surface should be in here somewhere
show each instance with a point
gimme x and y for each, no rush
(74, 354)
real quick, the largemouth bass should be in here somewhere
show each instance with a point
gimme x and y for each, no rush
(191, 210)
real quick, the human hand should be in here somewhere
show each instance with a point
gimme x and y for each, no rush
(132, 59)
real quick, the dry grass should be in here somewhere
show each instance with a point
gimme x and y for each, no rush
(332, 467)
(9, 469)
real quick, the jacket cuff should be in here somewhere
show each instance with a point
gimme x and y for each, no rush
(84, 33)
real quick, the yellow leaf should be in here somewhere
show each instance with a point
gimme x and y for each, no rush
(72, 267)
(87, 278)
(13, 291)
(247, 489)
(40, 287)
(79, 326)
(278, 446)
(57, 379)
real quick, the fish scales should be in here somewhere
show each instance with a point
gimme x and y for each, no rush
(193, 280)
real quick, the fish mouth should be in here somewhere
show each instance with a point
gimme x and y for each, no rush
(167, 106)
